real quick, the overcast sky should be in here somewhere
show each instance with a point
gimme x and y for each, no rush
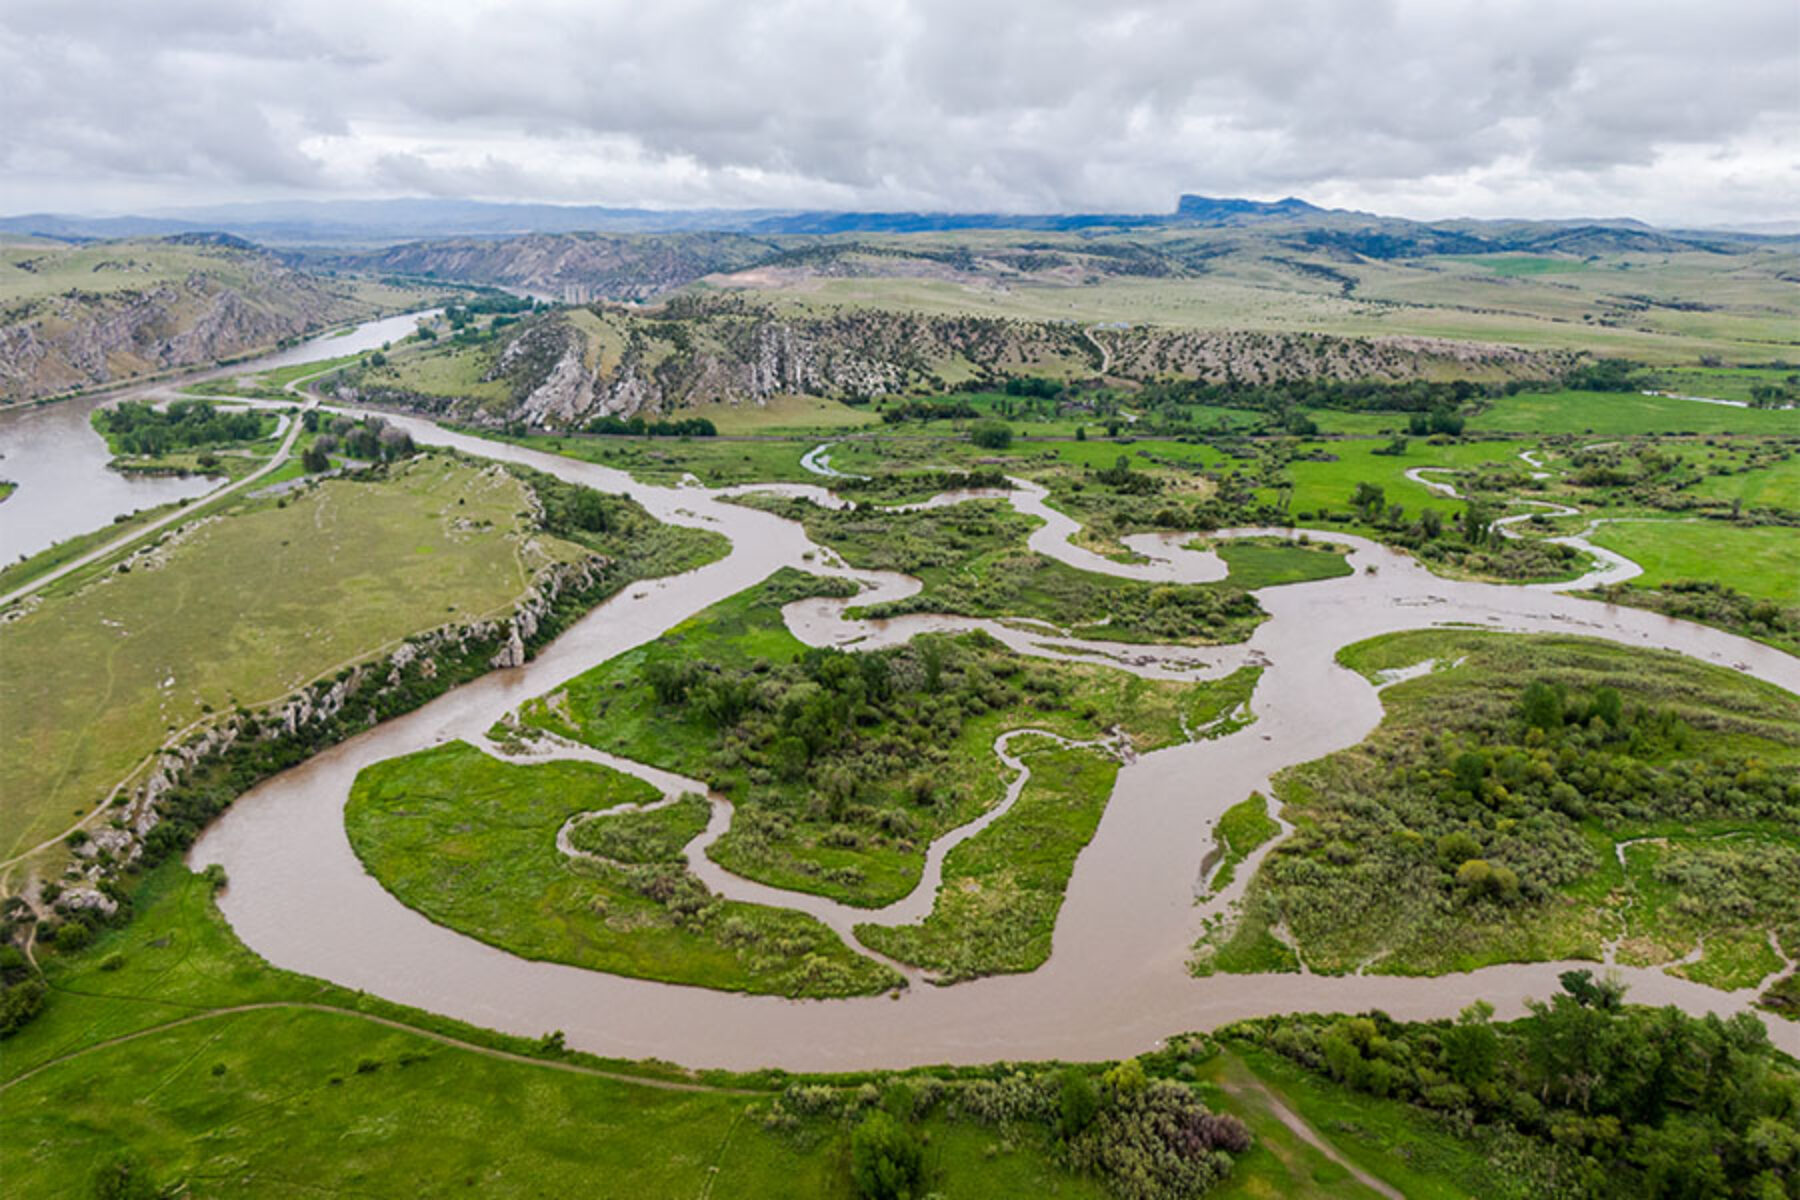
(1674, 112)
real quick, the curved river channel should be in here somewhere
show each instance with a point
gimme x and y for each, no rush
(1116, 982)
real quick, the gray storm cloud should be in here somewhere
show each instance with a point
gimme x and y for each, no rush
(1684, 111)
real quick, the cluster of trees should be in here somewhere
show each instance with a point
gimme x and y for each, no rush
(21, 991)
(1716, 604)
(637, 426)
(899, 411)
(1464, 819)
(488, 303)
(137, 428)
(1605, 1099)
(369, 440)
(1437, 421)
(1031, 385)
(1122, 479)
(1603, 375)
(896, 483)
(862, 732)
(1478, 545)
(1147, 1137)
(1776, 395)
(1351, 395)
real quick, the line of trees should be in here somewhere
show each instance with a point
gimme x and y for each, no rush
(1605, 1100)
(637, 426)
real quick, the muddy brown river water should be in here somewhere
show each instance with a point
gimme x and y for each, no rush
(1116, 981)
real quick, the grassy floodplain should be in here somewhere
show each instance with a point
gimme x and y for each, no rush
(1243, 828)
(973, 561)
(1625, 414)
(716, 462)
(1760, 561)
(732, 698)
(1474, 828)
(470, 841)
(169, 1046)
(1775, 486)
(996, 909)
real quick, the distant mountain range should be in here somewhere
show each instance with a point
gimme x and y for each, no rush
(384, 222)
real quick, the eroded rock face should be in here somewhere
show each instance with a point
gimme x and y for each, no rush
(87, 899)
(567, 368)
(82, 339)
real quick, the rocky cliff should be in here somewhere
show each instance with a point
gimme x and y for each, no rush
(82, 317)
(565, 368)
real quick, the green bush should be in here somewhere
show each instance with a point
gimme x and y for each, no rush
(991, 434)
(886, 1160)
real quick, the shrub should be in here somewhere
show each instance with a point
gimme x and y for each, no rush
(991, 434)
(886, 1160)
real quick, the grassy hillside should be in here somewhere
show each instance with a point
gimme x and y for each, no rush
(1668, 304)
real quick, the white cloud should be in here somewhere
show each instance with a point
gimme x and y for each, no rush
(1673, 111)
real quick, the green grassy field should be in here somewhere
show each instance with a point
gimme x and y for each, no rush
(1758, 869)
(1260, 563)
(1777, 486)
(229, 613)
(1761, 561)
(1621, 414)
(1319, 486)
(471, 842)
(1721, 383)
(715, 462)
(996, 910)
(1099, 454)
(1515, 265)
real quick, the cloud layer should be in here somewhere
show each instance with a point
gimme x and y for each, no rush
(1678, 112)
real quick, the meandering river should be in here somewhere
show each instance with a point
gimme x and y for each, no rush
(1116, 981)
